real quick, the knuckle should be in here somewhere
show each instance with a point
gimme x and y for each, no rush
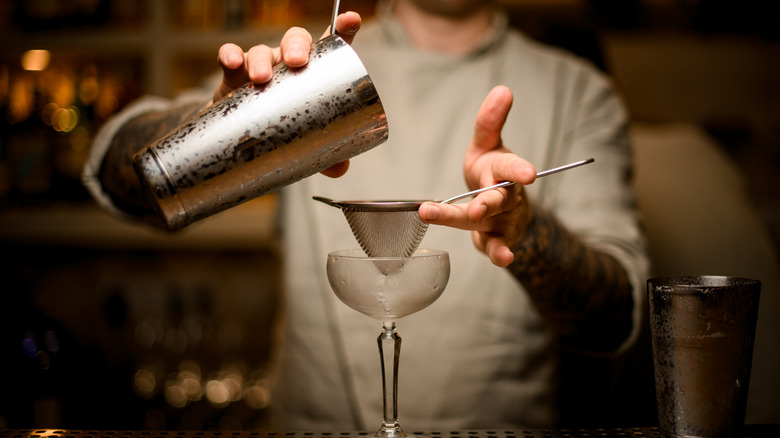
(260, 49)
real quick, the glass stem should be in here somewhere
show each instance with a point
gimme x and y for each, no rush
(388, 341)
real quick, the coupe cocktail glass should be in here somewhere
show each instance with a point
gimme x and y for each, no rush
(387, 289)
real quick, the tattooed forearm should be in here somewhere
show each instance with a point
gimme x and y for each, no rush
(584, 294)
(117, 174)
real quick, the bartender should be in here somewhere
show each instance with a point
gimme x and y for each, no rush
(543, 266)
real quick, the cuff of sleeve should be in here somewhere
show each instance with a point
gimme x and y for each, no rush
(102, 142)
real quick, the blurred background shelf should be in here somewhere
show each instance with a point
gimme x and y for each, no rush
(249, 227)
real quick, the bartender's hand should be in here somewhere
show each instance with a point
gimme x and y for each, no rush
(256, 65)
(498, 218)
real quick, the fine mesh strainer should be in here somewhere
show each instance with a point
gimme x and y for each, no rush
(393, 228)
(383, 228)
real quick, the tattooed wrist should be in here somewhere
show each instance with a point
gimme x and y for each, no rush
(582, 293)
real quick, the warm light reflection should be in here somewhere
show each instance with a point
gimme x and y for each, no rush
(88, 86)
(148, 376)
(20, 100)
(5, 82)
(175, 395)
(64, 119)
(36, 60)
(144, 383)
(60, 86)
(189, 380)
(61, 90)
(217, 393)
(231, 383)
(258, 394)
(47, 111)
(48, 432)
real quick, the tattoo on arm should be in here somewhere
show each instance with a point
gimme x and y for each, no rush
(583, 294)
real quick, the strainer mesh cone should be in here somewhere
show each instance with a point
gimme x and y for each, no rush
(383, 228)
(386, 233)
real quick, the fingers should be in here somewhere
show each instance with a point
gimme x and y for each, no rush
(491, 118)
(473, 215)
(239, 68)
(257, 64)
(293, 50)
(337, 170)
(495, 217)
(442, 214)
(347, 25)
(495, 247)
(487, 161)
(231, 58)
(296, 42)
(508, 167)
(260, 61)
(295, 47)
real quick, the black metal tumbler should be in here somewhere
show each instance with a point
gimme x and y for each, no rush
(703, 328)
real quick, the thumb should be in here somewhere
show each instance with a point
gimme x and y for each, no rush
(490, 119)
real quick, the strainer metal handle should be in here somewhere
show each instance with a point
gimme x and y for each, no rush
(413, 205)
(393, 228)
(509, 183)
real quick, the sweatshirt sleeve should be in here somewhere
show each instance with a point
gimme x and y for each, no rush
(105, 137)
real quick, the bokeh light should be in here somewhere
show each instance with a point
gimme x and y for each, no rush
(36, 60)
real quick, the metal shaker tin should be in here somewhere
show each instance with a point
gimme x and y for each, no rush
(702, 332)
(261, 138)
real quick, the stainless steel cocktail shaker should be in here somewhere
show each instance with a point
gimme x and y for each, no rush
(260, 138)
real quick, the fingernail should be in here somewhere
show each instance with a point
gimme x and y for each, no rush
(297, 52)
(234, 58)
(260, 72)
(351, 29)
(432, 212)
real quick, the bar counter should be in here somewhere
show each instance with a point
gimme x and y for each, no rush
(751, 431)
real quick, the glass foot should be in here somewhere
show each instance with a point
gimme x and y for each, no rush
(391, 430)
